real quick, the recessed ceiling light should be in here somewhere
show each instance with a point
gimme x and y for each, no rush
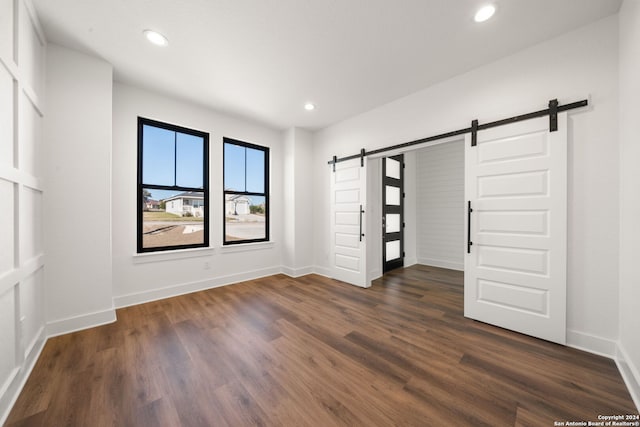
(309, 106)
(484, 13)
(155, 38)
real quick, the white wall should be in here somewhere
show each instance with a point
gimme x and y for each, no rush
(77, 148)
(440, 205)
(138, 278)
(303, 202)
(289, 199)
(571, 67)
(410, 208)
(629, 348)
(297, 249)
(373, 221)
(22, 262)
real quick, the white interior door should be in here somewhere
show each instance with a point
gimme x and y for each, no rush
(348, 202)
(515, 271)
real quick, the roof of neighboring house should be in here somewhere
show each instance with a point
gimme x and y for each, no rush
(153, 202)
(237, 197)
(186, 195)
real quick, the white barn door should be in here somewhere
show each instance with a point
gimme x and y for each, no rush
(348, 204)
(515, 266)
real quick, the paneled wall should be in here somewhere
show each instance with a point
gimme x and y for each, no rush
(440, 205)
(22, 55)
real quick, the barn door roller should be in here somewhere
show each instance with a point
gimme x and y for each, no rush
(474, 133)
(553, 115)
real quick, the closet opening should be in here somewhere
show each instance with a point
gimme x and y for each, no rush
(416, 199)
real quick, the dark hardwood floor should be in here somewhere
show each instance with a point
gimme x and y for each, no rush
(315, 352)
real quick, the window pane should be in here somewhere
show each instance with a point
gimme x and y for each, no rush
(172, 218)
(234, 167)
(158, 156)
(245, 217)
(244, 172)
(189, 161)
(255, 171)
(393, 250)
(392, 223)
(392, 195)
(393, 168)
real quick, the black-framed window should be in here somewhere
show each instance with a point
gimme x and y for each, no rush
(246, 192)
(173, 187)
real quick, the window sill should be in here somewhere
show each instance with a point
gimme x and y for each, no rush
(246, 247)
(162, 256)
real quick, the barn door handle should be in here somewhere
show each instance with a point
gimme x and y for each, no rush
(469, 242)
(361, 233)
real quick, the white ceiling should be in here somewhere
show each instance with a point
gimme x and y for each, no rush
(263, 59)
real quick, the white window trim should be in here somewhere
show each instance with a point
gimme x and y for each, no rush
(246, 247)
(161, 256)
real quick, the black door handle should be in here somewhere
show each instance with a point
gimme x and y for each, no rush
(361, 233)
(469, 242)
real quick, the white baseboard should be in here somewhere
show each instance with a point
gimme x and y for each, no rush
(408, 262)
(630, 374)
(322, 271)
(441, 263)
(40, 338)
(78, 323)
(297, 272)
(10, 394)
(186, 288)
(591, 343)
(375, 274)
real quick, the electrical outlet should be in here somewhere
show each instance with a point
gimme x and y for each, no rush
(207, 265)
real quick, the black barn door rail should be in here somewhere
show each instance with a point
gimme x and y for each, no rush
(552, 111)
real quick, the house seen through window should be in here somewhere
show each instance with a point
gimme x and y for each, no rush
(246, 192)
(173, 189)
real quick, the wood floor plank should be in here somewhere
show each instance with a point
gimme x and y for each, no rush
(313, 351)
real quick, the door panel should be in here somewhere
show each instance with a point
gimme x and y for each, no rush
(515, 268)
(348, 200)
(393, 212)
